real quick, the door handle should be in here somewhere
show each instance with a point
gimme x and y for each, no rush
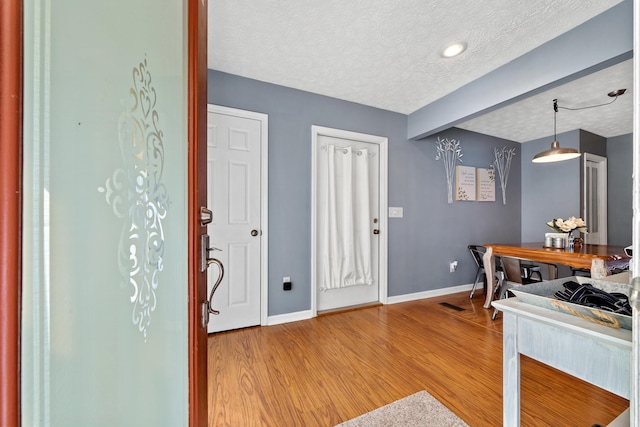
(254, 233)
(207, 307)
(376, 231)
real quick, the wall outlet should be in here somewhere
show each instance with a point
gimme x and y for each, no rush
(286, 283)
(452, 266)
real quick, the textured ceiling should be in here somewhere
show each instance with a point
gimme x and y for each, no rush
(386, 53)
(532, 118)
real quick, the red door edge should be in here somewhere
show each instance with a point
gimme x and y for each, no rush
(197, 43)
(10, 208)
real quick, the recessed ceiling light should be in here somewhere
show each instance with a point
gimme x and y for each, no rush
(454, 49)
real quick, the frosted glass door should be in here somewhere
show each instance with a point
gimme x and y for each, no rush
(105, 329)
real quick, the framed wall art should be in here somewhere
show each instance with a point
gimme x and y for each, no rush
(466, 183)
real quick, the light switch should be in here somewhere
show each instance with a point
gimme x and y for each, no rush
(395, 212)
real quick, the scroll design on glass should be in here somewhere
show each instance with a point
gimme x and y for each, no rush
(138, 196)
(450, 151)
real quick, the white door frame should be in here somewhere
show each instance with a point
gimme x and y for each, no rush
(264, 198)
(383, 239)
(602, 196)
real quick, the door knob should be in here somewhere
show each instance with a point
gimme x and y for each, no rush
(376, 231)
(254, 233)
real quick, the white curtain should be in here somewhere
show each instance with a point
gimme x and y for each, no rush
(344, 217)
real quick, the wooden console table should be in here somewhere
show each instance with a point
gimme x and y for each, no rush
(593, 257)
(561, 341)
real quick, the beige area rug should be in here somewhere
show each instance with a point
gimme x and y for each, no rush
(418, 410)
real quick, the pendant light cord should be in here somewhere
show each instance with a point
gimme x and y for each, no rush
(615, 97)
(555, 114)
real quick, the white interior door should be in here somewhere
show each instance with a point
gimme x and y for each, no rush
(236, 140)
(349, 283)
(595, 198)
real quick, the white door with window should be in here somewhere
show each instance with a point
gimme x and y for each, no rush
(236, 163)
(349, 218)
(595, 198)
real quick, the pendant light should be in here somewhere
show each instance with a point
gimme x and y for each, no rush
(555, 153)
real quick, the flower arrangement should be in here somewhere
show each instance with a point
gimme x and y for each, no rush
(560, 225)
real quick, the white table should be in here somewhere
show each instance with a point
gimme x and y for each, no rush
(594, 353)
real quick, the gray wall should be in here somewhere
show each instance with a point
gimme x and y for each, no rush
(553, 190)
(549, 190)
(592, 143)
(421, 245)
(291, 114)
(433, 233)
(619, 189)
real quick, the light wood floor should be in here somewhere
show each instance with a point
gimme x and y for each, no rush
(323, 371)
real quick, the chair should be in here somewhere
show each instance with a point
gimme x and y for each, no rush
(513, 277)
(585, 272)
(528, 270)
(477, 252)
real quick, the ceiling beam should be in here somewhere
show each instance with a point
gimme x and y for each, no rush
(601, 42)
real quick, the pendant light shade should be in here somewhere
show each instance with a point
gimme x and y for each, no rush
(555, 153)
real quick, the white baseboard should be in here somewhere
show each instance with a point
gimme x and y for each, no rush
(289, 317)
(429, 294)
(307, 314)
